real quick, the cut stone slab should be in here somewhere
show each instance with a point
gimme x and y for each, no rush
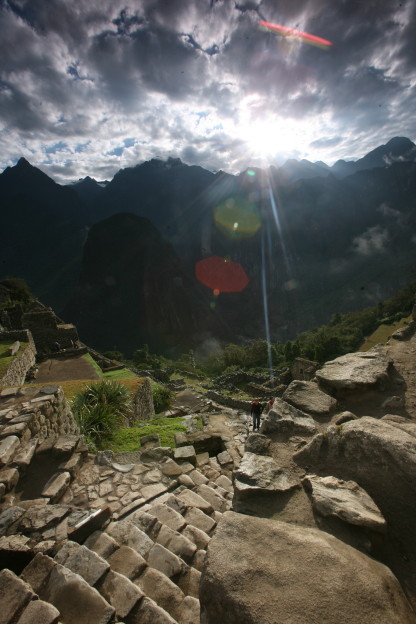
(127, 561)
(258, 473)
(24, 455)
(190, 581)
(357, 371)
(150, 613)
(8, 447)
(39, 612)
(37, 572)
(149, 492)
(56, 486)
(191, 499)
(162, 590)
(40, 517)
(218, 502)
(224, 458)
(127, 534)
(306, 396)
(190, 611)
(15, 594)
(145, 521)
(284, 418)
(166, 515)
(9, 476)
(164, 560)
(101, 543)
(170, 468)
(65, 445)
(156, 454)
(345, 500)
(122, 467)
(176, 543)
(9, 516)
(83, 561)
(75, 599)
(199, 519)
(121, 593)
(197, 536)
(335, 583)
(186, 454)
(197, 477)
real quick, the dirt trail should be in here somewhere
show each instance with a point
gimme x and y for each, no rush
(403, 353)
(65, 369)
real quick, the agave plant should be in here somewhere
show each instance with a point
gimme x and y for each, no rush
(100, 408)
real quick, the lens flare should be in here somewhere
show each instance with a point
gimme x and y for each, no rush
(221, 275)
(237, 218)
(296, 34)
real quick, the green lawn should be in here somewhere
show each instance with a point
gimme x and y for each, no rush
(128, 439)
(122, 373)
(382, 334)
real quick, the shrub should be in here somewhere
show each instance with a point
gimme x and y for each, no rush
(100, 409)
(162, 397)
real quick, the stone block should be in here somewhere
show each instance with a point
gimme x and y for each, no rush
(39, 612)
(186, 481)
(145, 522)
(15, 594)
(186, 454)
(101, 543)
(56, 485)
(9, 476)
(199, 559)
(149, 492)
(16, 429)
(90, 522)
(83, 561)
(41, 517)
(121, 593)
(216, 500)
(189, 582)
(224, 458)
(8, 447)
(73, 464)
(190, 611)
(164, 560)
(191, 499)
(162, 590)
(197, 536)
(24, 455)
(176, 543)
(75, 599)
(149, 612)
(202, 459)
(127, 561)
(170, 468)
(199, 519)
(9, 516)
(197, 477)
(166, 515)
(225, 483)
(127, 534)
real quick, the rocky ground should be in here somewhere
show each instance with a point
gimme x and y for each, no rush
(309, 521)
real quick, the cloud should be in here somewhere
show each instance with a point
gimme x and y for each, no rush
(373, 240)
(192, 78)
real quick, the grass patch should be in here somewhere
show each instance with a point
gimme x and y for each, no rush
(5, 361)
(93, 363)
(72, 387)
(383, 333)
(122, 373)
(128, 439)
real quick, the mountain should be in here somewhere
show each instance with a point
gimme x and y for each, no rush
(43, 231)
(398, 149)
(133, 289)
(310, 247)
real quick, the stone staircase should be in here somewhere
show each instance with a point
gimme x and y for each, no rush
(144, 568)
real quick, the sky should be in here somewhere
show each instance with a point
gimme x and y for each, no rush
(91, 86)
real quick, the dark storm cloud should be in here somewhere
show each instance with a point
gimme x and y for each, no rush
(104, 70)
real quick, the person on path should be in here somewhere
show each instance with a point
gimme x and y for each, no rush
(270, 404)
(256, 410)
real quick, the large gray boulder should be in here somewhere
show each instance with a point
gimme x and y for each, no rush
(259, 473)
(357, 371)
(345, 500)
(306, 395)
(284, 418)
(259, 570)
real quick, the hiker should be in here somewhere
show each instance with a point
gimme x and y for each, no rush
(270, 404)
(57, 346)
(256, 410)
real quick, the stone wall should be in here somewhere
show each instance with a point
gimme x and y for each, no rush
(228, 401)
(46, 330)
(143, 402)
(25, 359)
(303, 369)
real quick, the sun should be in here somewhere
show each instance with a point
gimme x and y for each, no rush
(267, 139)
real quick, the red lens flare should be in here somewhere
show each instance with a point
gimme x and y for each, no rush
(221, 275)
(295, 34)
